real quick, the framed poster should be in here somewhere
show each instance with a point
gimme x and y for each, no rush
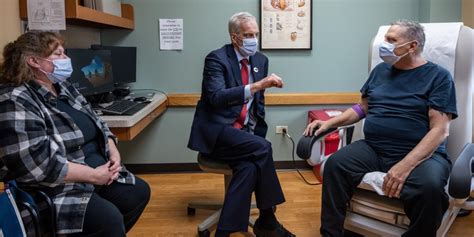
(286, 24)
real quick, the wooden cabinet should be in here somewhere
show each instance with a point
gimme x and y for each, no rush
(468, 13)
(84, 16)
(10, 23)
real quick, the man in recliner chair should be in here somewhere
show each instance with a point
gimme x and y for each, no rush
(407, 103)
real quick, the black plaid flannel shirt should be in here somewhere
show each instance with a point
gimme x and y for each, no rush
(37, 141)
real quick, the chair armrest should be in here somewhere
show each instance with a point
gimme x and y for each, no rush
(305, 144)
(34, 216)
(461, 174)
(51, 207)
(41, 197)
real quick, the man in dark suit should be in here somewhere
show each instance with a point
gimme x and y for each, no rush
(229, 126)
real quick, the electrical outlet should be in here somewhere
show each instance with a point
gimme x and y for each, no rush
(280, 129)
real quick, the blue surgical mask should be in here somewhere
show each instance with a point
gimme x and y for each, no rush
(249, 47)
(62, 70)
(387, 54)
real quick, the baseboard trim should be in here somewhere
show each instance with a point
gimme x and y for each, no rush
(194, 167)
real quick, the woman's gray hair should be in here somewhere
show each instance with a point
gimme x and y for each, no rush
(238, 19)
(413, 31)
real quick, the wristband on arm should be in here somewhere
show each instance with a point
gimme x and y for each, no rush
(359, 110)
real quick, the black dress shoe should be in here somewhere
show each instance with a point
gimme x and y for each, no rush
(279, 231)
(463, 212)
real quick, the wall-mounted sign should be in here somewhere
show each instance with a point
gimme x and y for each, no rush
(171, 34)
(46, 15)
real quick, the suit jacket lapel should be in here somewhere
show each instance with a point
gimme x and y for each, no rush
(234, 64)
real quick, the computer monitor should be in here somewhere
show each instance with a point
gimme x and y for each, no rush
(124, 62)
(93, 72)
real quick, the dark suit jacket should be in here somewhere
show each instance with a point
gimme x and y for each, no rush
(222, 97)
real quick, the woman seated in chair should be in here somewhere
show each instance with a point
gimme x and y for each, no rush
(408, 103)
(52, 139)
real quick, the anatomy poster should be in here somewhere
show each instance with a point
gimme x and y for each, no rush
(285, 24)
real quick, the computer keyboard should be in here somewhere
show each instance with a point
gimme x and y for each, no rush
(136, 108)
(123, 107)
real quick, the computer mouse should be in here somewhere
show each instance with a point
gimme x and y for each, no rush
(140, 99)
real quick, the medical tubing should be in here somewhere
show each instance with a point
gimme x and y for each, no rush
(294, 162)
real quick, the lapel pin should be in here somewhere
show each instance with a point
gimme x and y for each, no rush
(255, 69)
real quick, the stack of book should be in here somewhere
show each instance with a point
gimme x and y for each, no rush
(113, 7)
(90, 4)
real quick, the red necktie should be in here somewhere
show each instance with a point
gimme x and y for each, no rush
(244, 73)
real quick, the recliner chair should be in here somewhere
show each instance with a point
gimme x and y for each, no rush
(371, 214)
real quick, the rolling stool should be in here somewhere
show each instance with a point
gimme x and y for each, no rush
(213, 166)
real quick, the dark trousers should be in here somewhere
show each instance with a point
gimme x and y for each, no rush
(114, 209)
(251, 160)
(423, 195)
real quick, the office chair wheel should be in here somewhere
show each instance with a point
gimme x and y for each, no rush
(191, 211)
(204, 233)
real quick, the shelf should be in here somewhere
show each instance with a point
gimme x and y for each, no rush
(84, 16)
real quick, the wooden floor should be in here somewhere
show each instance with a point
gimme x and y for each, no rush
(166, 214)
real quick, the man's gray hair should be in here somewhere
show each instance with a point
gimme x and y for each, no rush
(413, 31)
(238, 19)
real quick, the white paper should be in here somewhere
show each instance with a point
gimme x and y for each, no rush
(46, 15)
(373, 181)
(171, 34)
